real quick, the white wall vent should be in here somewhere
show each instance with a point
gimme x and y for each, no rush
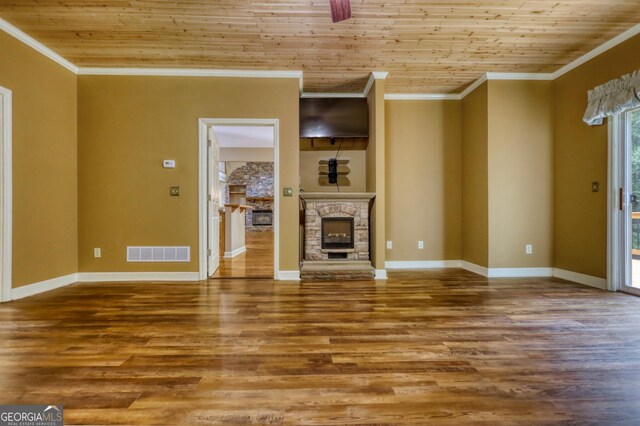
(158, 254)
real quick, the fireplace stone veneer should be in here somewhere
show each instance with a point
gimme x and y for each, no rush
(336, 263)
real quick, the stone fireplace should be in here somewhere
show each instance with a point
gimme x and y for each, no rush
(262, 218)
(336, 233)
(336, 236)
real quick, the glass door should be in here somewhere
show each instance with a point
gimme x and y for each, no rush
(630, 201)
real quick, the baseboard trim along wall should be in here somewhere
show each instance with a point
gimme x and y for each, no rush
(42, 286)
(476, 269)
(236, 252)
(508, 272)
(422, 264)
(576, 277)
(95, 277)
(380, 274)
(288, 276)
(520, 272)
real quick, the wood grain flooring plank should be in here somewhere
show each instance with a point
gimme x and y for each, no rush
(444, 346)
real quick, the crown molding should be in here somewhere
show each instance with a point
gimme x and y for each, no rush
(375, 75)
(519, 76)
(631, 32)
(331, 95)
(189, 72)
(473, 86)
(421, 97)
(36, 45)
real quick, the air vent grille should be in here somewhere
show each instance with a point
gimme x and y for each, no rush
(158, 254)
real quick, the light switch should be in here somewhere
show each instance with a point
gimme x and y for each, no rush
(169, 164)
(174, 191)
(595, 186)
(287, 192)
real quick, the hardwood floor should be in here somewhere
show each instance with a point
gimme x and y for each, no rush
(444, 347)
(256, 262)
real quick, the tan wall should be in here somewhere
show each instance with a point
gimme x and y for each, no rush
(475, 200)
(520, 156)
(127, 125)
(375, 176)
(45, 195)
(310, 180)
(580, 157)
(423, 179)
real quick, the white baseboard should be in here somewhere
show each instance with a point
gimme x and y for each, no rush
(576, 277)
(95, 277)
(507, 272)
(42, 286)
(520, 272)
(236, 252)
(476, 269)
(422, 264)
(380, 274)
(289, 275)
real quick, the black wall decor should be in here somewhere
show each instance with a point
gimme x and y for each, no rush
(333, 170)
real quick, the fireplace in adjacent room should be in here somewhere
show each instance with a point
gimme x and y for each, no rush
(262, 218)
(337, 233)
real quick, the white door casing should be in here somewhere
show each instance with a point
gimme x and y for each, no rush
(6, 194)
(213, 197)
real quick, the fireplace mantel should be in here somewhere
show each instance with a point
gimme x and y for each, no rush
(328, 196)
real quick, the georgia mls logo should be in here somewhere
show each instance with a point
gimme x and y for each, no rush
(31, 415)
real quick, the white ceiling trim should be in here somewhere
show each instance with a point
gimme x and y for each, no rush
(331, 95)
(519, 76)
(36, 45)
(375, 75)
(421, 97)
(631, 32)
(473, 86)
(186, 72)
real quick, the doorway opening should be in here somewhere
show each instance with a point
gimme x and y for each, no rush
(624, 203)
(240, 198)
(5, 194)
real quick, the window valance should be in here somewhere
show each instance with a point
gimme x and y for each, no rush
(614, 97)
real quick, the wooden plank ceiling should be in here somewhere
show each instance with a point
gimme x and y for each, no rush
(427, 46)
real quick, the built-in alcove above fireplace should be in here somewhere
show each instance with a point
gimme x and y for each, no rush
(336, 236)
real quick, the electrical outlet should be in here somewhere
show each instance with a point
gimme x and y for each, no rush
(97, 252)
(389, 245)
(528, 249)
(420, 244)
(174, 191)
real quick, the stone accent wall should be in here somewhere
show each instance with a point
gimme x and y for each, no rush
(318, 209)
(258, 177)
